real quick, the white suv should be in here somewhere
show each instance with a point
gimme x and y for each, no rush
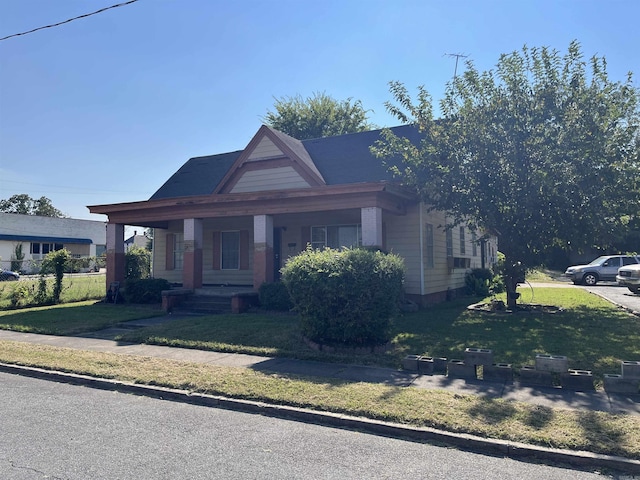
(601, 269)
(629, 277)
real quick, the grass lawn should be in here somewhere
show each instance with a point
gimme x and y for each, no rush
(594, 334)
(75, 288)
(73, 318)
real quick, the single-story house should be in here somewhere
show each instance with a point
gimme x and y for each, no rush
(234, 218)
(37, 236)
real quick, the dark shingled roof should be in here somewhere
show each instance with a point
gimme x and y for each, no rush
(199, 176)
(341, 159)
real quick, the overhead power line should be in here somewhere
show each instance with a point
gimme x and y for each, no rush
(69, 20)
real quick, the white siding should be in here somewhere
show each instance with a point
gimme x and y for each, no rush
(35, 226)
(265, 149)
(280, 178)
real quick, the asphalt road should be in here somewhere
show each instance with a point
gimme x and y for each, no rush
(59, 431)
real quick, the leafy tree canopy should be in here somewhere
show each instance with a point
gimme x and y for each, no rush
(541, 151)
(25, 205)
(317, 116)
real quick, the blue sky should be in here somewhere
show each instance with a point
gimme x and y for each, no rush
(104, 109)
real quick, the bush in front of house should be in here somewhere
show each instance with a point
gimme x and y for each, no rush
(275, 296)
(483, 282)
(146, 290)
(345, 296)
(137, 263)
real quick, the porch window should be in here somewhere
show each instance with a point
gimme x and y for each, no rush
(336, 236)
(449, 237)
(474, 244)
(178, 251)
(429, 245)
(463, 248)
(230, 251)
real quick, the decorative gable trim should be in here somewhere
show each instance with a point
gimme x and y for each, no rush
(271, 149)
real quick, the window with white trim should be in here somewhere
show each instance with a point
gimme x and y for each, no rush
(474, 244)
(230, 250)
(336, 236)
(463, 247)
(429, 245)
(449, 238)
(178, 251)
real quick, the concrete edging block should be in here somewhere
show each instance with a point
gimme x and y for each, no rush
(410, 362)
(552, 363)
(459, 369)
(614, 383)
(478, 356)
(631, 369)
(498, 372)
(529, 375)
(578, 380)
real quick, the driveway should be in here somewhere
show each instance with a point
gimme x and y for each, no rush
(610, 291)
(615, 294)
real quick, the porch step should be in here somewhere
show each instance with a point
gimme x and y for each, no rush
(206, 304)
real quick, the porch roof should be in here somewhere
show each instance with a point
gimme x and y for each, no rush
(157, 213)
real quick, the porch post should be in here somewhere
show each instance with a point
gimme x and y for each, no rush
(262, 250)
(192, 270)
(371, 219)
(115, 253)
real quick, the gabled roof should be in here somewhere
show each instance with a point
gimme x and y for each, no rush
(338, 160)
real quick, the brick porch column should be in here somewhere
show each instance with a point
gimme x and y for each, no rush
(371, 219)
(262, 250)
(192, 270)
(115, 253)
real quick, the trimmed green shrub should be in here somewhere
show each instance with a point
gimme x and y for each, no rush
(275, 296)
(146, 290)
(345, 296)
(483, 282)
(56, 262)
(137, 263)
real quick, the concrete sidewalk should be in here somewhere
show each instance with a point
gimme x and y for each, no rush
(102, 341)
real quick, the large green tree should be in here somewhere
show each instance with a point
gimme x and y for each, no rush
(317, 116)
(25, 205)
(542, 151)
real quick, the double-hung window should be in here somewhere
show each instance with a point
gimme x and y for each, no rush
(336, 236)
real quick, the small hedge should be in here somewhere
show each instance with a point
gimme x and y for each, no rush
(146, 290)
(275, 296)
(345, 297)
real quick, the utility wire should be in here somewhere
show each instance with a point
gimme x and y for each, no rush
(69, 20)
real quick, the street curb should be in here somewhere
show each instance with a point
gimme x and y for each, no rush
(515, 450)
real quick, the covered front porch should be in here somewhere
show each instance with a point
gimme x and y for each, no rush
(244, 239)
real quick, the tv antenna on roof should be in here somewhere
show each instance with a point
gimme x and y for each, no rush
(458, 57)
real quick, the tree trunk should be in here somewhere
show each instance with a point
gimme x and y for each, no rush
(513, 275)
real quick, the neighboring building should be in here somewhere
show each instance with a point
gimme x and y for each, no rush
(136, 240)
(234, 218)
(41, 235)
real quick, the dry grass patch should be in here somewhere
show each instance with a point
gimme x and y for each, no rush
(597, 432)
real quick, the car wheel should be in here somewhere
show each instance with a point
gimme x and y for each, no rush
(590, 279)
(634, 289)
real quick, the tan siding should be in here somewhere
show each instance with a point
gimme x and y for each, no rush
(160, 258)
(403, 238)
(269, 179)
(265, 149)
